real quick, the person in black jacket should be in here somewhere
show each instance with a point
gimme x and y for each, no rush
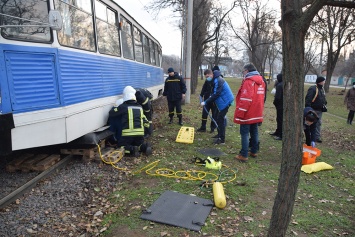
(315, 99)
(206, 91)
(127, 122)
(174, 90)
(278, 102)
(144, 97)
(310, 120)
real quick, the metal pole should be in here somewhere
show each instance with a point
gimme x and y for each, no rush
(188, 50)
(183, 30)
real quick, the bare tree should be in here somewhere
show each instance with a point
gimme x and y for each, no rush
(256, 32)
(336, 26)
(203, 32)
(296, 17)
(310, 56)
(274, 51)
(169, 60)
(346, 67)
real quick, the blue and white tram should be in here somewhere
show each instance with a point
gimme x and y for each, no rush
(58, 85)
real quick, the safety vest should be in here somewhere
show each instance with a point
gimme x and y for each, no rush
(133, 121)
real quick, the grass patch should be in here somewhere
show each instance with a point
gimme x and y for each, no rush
(324, 203)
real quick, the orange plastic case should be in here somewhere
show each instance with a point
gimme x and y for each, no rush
(310, 154)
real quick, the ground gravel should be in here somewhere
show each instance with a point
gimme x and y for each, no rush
(71, 202)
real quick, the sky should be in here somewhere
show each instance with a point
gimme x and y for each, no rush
(165, 27)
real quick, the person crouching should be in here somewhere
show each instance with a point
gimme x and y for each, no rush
(131, 121)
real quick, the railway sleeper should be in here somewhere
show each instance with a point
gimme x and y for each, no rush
(32, 162)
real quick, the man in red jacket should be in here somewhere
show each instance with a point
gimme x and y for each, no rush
(249, 111)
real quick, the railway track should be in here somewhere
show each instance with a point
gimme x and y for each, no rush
(10, 198)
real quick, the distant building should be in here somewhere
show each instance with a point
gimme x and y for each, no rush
(223, 63)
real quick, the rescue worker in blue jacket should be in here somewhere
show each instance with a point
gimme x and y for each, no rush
(127, 121)
(174, 90)
(310, 120)
(223, 97)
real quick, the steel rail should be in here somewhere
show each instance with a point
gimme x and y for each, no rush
(24, 188)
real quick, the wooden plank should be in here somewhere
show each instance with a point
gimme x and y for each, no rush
(26, 165)
(72, 151)
(110, 154)
(46, 163)
(14, 165)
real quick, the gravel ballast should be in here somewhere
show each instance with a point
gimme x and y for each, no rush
(71, 202)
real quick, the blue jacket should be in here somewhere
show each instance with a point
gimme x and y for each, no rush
(222, 94)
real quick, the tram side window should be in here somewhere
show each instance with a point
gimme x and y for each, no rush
(157, 59)
(152, 54)
(107, 31)
(78, 27)
(146, 49)
(127, 39)
(138, 46)
(35, 10)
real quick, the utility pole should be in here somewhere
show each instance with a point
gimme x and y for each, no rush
(183, 42)
(190, 5)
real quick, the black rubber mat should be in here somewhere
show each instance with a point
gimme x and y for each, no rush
(180, 210)
(211, 152)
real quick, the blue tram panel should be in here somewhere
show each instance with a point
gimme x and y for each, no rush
(32, 80)
(86, 77)
(49, 85)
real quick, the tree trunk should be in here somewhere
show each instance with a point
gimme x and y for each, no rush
(293, 56)
(294, 25)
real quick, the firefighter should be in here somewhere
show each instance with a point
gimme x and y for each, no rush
(128, 121)
(144, 98)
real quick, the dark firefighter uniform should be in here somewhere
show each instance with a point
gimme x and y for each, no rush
(144, 97)
(174, 88)
(127, 121)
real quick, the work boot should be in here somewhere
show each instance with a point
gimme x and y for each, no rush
(241, 158)
(180, 121)
(134, 151)
(148, 151)
(253, 154)
(146, 148)
(171, 120)
(201, 129)
(219, 141)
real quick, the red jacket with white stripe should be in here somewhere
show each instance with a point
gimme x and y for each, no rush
(250, 100)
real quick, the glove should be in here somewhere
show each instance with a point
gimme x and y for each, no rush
(203, 103)
(313, 144)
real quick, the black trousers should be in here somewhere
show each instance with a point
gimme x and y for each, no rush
(129, 142)
(172, 105)
(351, 116)
(220, 123)
(279, 118)
(209, 107)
